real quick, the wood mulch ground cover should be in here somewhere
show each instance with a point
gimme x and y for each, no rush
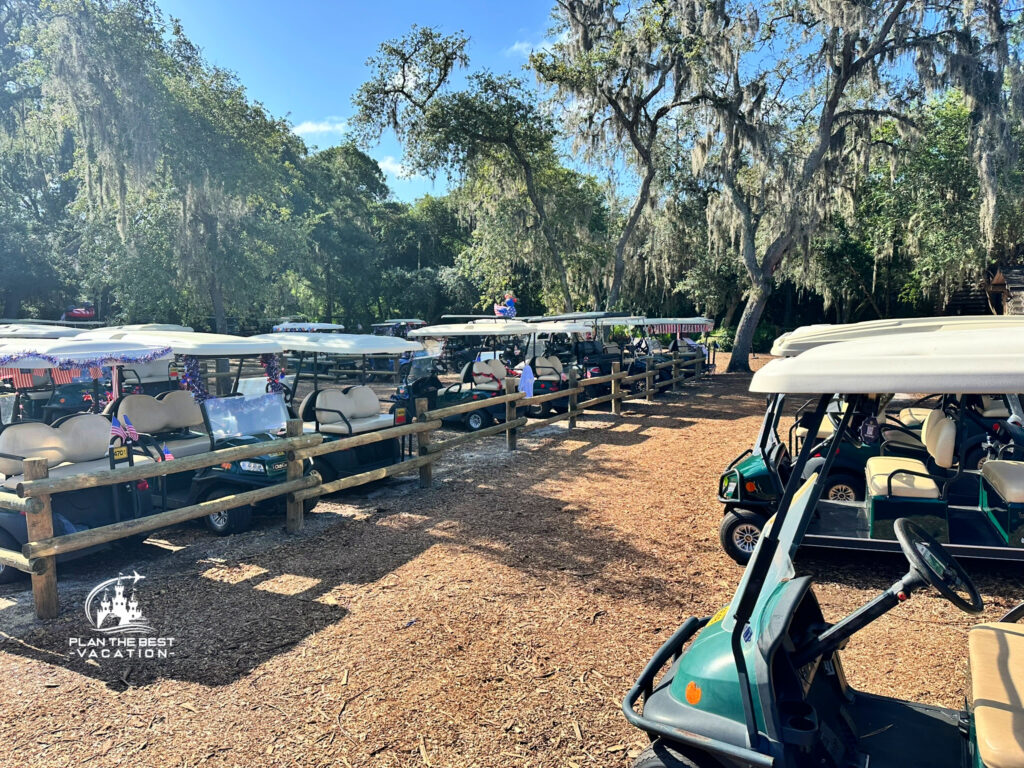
(496, 619)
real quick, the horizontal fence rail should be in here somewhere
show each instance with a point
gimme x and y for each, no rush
(35, 490)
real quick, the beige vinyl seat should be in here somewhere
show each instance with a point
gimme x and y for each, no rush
(547, 368)
(486, 375)
(174, 419)
(77, 445)
(939, 437)
(345, 413)
(1007, 478)
(994, 408)
(996, 659)
(913, 417)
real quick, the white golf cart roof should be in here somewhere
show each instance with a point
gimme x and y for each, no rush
(487, 327)
(631, 320)
(972, 361)
(307, 327)
(400, 321)
(149, 327)
(809, 336)
(348, 344)
(78, 353)
(561, 326)
(194, 344)
(680, 324)
(36, 331)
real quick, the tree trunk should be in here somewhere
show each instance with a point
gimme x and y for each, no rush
(730, 311)
(739, 362)
(627, 234)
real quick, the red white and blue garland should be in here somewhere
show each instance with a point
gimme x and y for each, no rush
(192, 379)
(272, 367)
(63, 363)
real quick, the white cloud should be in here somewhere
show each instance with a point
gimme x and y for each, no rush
(519, 48)
(319, 127)
(393, 167)
(524, 47)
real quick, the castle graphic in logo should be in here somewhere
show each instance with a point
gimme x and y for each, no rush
(112, 609)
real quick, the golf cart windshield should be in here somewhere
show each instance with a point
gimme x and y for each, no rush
(420, 367)
(237, 416)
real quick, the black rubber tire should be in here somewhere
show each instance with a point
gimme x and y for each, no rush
(477, 420)
(736, 536)
(661, 755)
(9, 575)
(540, 411)
(843, 486)
(231, 520)
(975, 458)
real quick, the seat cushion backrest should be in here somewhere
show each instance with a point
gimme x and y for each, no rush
(934, 416)
(548, 366)
(940, 440)
(82, 438)
(482, 373)
(306, 407)
(176, 410)
(498, 369)
(335, 400)
(364, 403)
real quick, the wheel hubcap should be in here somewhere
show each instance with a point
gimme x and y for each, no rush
(745, 537)
(219, 519)
(841, 492)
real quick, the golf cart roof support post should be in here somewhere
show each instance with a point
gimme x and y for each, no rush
(316, 377)
(765, 554)
(238, 374)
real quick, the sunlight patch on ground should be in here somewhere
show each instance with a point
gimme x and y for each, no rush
(288, 584)
(235, 574)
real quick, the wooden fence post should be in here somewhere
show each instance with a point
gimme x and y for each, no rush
(573, 397)
(294, 518)
(675, 371)
(422, 441)
(40, 526)
(510, 413)
(649, 394)
(616, 390)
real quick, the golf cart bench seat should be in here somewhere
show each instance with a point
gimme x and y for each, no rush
(939, 437)
(77, 445)
(547, 368)
(486, 375)
(1007, 477)
(174, 412)
(996, 657)
(345, 413)
(825, 429)
(993, 408)
(913, 417)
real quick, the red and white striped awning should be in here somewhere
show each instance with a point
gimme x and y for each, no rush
(680, 325)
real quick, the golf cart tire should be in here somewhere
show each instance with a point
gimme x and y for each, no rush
(735, 530)
(660, 755)
(843, 486)
(539, 411)
(229, 521)
(477, 420)
(9, 575)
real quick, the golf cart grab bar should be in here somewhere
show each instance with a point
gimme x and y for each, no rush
(1013, 615)
(739, 458)
(670, 651)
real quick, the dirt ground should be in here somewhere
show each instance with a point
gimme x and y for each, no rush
(496, 619)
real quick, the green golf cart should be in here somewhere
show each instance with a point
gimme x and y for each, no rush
(761, 682)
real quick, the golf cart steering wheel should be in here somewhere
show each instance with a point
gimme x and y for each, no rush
(934, 564)
(285, 390)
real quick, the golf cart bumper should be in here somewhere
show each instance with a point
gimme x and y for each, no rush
(662, 714)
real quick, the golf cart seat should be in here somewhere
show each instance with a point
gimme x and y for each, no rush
(912, 417)
(173, 419)
(1007, 478)
(993, 408)
(547, 368)
(346, 413)
(939, 437)
(825, 428)
(489, 375)
(77, 445)
(996, 659)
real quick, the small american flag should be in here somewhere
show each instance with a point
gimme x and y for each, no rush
(132, 433)
(167, 453)
(61, 377)
(95, 373)
(116, 430)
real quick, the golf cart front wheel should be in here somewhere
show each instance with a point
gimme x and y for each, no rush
(228, 521)
(539, 411)
(660, 755)
(843, 487)
(739, 533)
(477, 420)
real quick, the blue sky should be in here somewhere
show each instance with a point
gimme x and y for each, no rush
(304, 59)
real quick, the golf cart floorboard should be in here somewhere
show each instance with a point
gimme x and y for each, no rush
(904, 734)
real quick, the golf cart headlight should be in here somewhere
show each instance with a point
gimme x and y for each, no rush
(252, 466)
(728, 485)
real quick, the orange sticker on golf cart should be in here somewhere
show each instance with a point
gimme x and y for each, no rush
(719, 616)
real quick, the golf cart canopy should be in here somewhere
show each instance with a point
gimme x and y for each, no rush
(308, 327)
(581, 316)
(560, 326)
(36, 331)
(809, 336)
(349, 344)
(975, 361)
(400, 321)
(476, 328)
(78, 353)
(195, 344)
(629, 320)
(680, 324)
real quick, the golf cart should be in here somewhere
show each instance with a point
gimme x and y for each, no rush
(761, 682)
(683, 328)
(592, 356)
(191, 421)
(479, 379)
(544, 353)
(751, 486)
(338, 412)
(74, 443)
(30, 330)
